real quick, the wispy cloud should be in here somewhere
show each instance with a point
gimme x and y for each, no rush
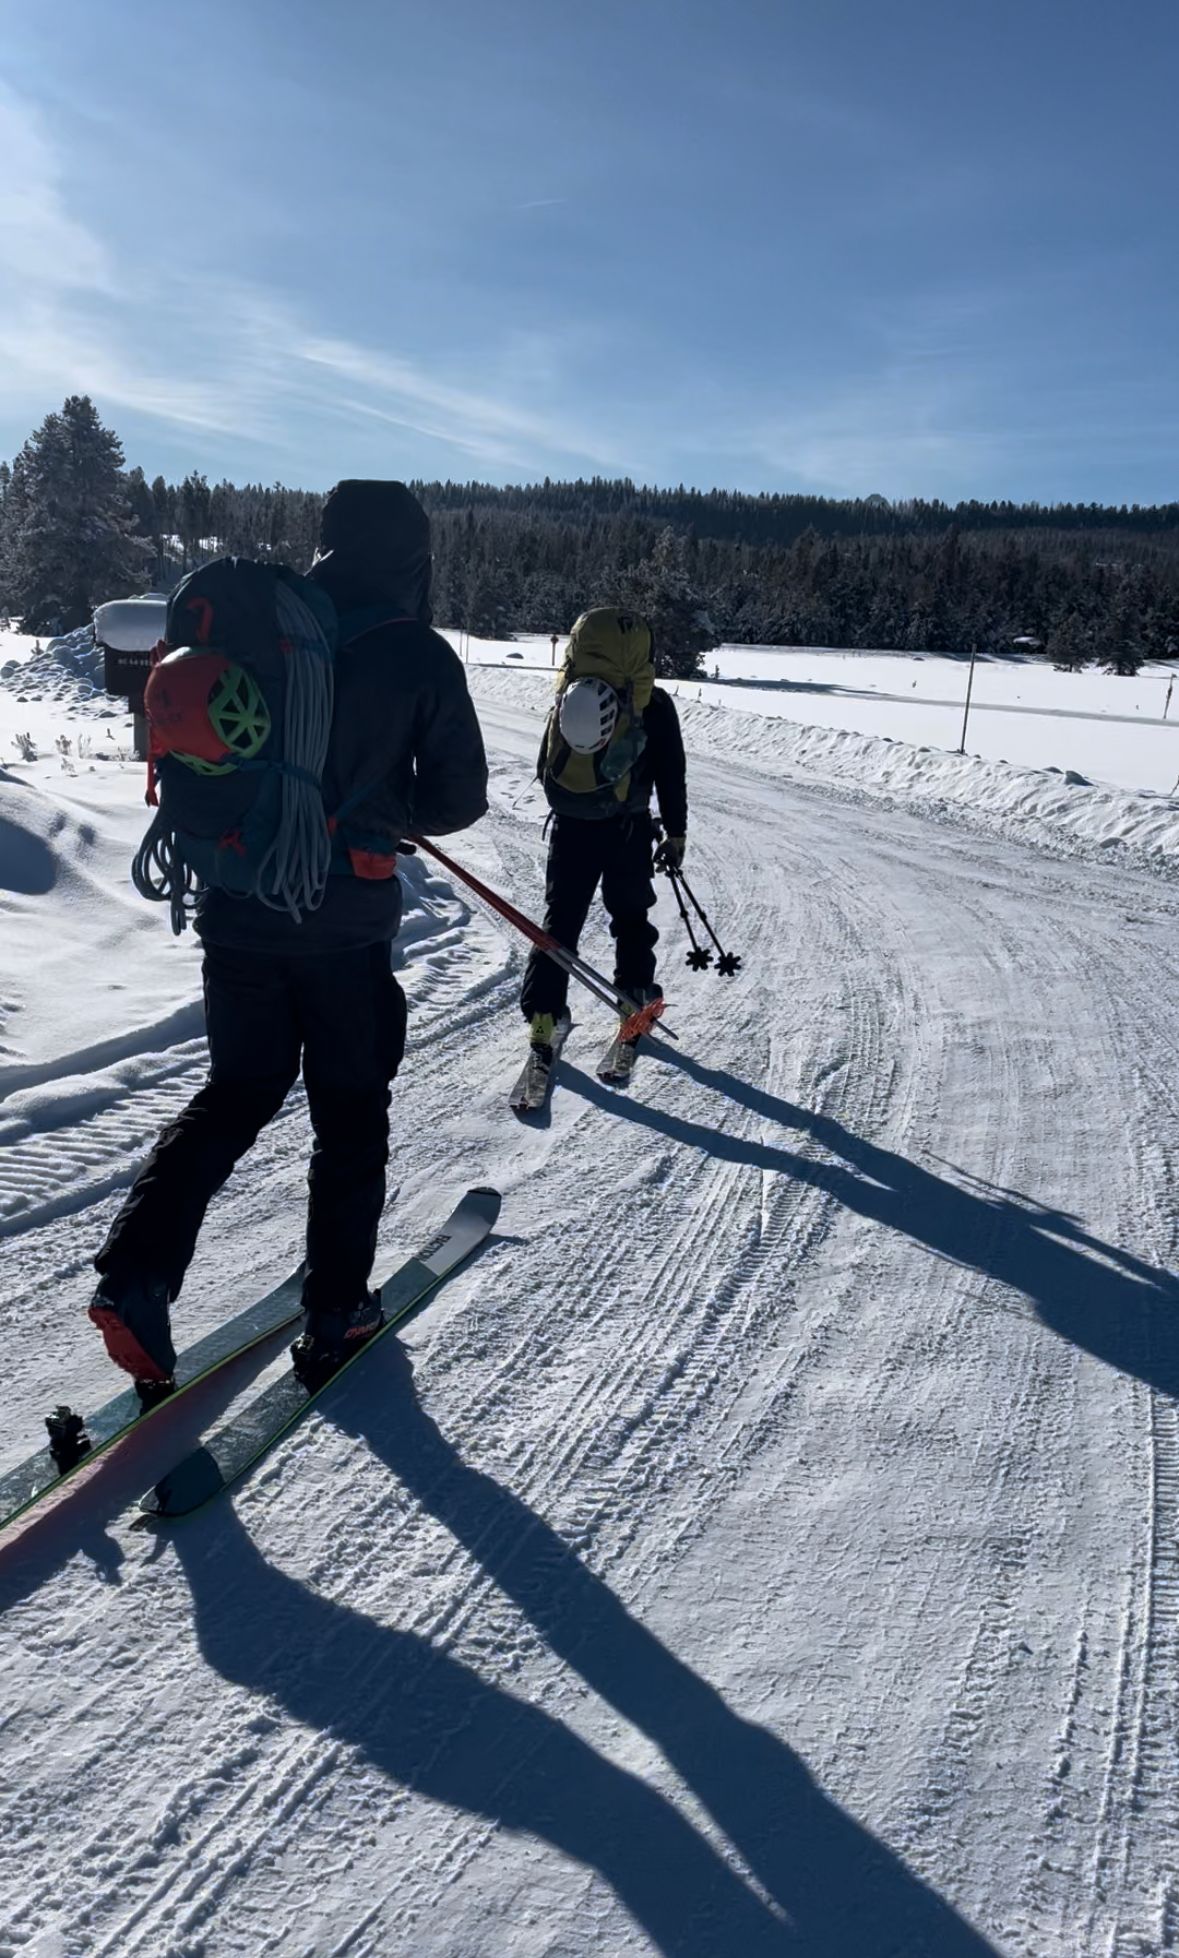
(232, 359)
(398, 390)
(41, 244)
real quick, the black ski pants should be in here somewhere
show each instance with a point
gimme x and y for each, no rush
(582, 854)
(342, 1016)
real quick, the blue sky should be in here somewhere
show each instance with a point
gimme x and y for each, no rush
(910, 248)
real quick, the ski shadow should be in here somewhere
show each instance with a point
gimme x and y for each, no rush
(433, 1725)
(1098, 1296)
(75, 1520)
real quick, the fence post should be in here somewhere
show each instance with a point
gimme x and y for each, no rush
(969, 691)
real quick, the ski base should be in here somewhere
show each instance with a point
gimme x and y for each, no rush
(250, 1434)
(532, 1090)
(75, 1439)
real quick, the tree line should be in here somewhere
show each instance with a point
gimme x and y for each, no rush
(1085, 583)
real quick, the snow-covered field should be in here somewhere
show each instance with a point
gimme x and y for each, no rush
(1022, 711)
(771, 1543)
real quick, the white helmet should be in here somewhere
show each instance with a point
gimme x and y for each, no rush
(587, 714)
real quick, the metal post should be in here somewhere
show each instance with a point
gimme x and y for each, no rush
(553, 637)
(969, 691)
(1170, 691)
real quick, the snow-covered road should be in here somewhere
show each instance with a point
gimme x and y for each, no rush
(770, 1545)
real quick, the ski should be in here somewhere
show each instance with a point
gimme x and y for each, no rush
(247, 1436)
(617, 1063)
(75, 1439)
(531, 1091)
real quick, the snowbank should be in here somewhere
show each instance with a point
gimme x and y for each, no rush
(74, 656)
(1045, 806)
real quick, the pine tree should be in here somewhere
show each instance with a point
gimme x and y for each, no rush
(194, 505)
(7, 518)
(71, 541)
(661, 588)
(1070, 643)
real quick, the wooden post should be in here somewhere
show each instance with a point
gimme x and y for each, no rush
(969, 691)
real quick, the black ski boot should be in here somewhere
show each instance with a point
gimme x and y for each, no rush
(132, 1314)
(331, 1338)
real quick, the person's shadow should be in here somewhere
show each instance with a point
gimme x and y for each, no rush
(1100, 1297)
(432, 1725)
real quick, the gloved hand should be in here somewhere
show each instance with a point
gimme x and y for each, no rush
(670, 854)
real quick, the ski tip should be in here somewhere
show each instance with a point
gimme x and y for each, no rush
(194, 1481)
(489, 1201)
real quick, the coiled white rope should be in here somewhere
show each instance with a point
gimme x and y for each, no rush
(293, 874)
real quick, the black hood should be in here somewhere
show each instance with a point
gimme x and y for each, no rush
(374, 548)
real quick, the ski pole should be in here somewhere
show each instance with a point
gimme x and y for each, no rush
(728, 963)
(638, 1019)
(699, 958)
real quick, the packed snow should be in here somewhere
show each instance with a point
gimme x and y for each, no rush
(770, 1543)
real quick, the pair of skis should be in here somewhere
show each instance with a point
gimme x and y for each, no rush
(535, 1081)
(75, 1440)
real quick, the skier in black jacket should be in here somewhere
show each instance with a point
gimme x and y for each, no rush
(320, 992)
(612, 739)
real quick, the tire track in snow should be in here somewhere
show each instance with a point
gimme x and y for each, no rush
(587, 1451)
(614, 1477)
(658, 1383)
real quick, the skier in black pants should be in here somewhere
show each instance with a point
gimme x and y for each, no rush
(612, 739)
(406, 751)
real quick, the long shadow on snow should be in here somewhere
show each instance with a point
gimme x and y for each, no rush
(74, 1520)
(1100, 1297)
(433, 1725)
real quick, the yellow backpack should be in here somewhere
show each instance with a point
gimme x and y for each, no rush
(612, 645)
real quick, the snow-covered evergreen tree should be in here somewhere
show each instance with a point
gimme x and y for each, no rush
(662, 589)
(70, 541)
(1070, 643)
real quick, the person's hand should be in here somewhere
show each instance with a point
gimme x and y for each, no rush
(670, 854)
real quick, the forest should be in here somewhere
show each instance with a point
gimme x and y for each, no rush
(1084, 583)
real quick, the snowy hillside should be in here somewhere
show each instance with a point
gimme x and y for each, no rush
(770, 1543)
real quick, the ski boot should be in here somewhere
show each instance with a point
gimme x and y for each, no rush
(642, 996)
(546, 1037)
(546, 1034)
(133, 1317)
(617, 1063)
(331, 1338)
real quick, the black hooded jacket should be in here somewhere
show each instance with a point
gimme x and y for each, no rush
(406, 754)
